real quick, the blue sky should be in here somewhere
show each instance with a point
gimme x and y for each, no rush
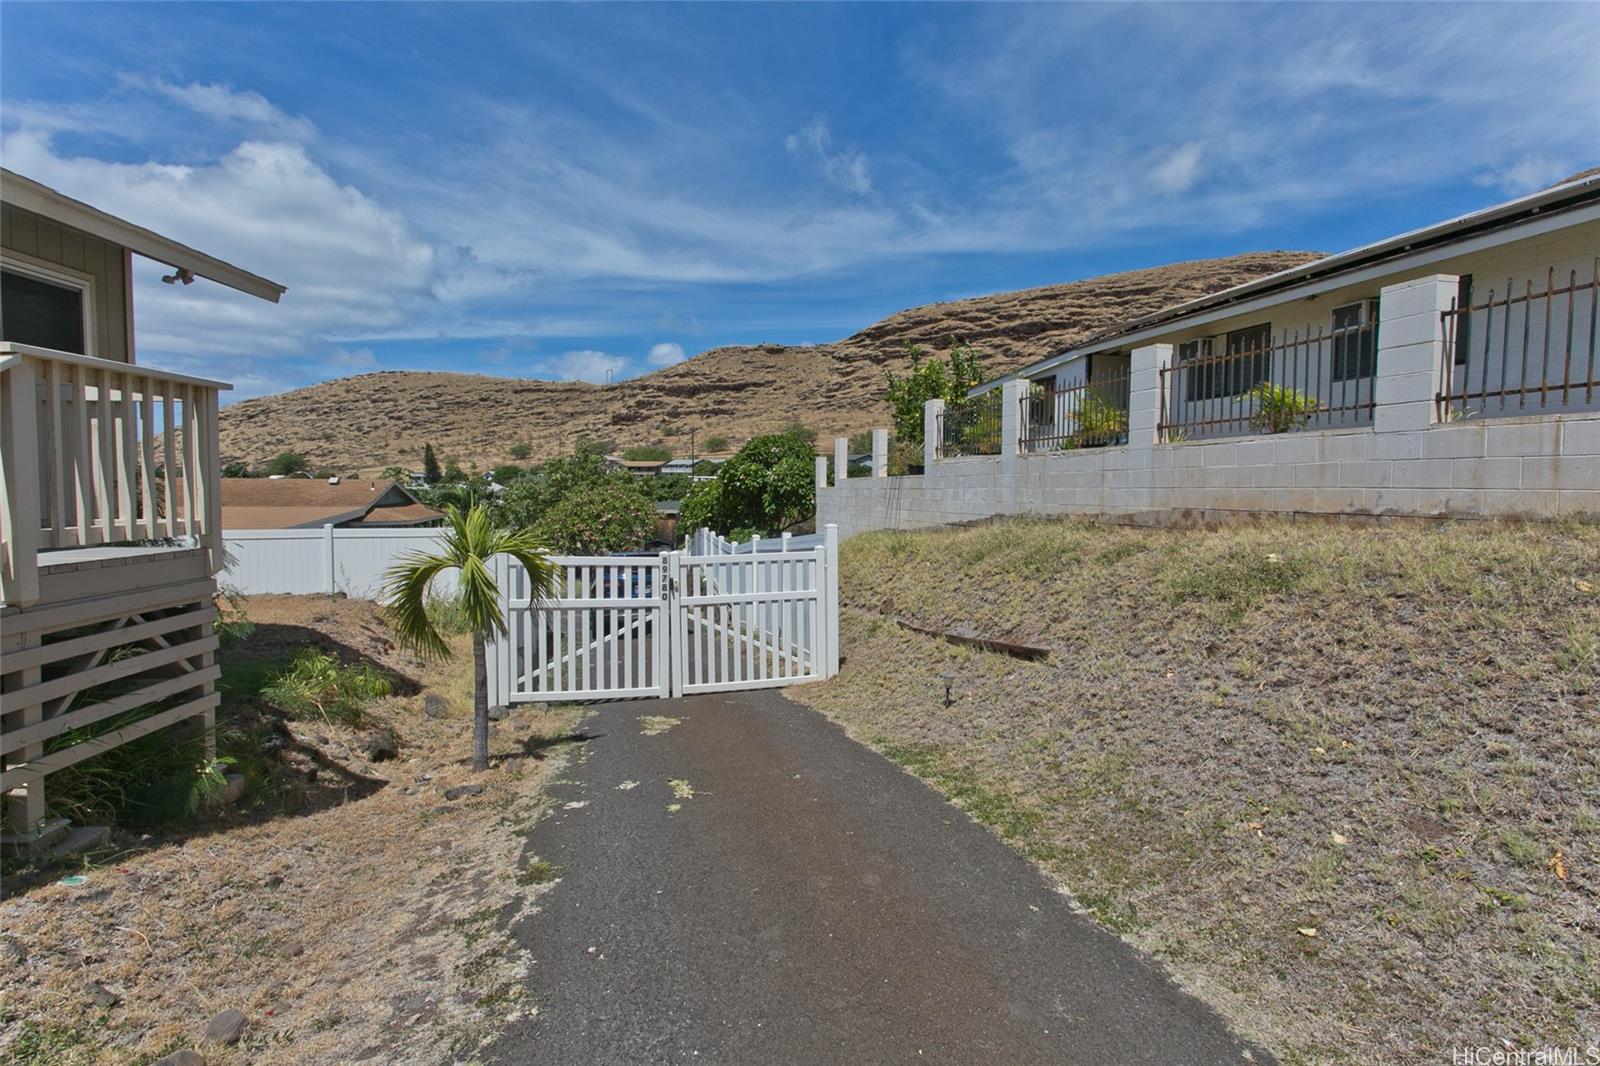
(566, 191)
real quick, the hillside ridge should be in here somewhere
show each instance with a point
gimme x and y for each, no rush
(368, 421)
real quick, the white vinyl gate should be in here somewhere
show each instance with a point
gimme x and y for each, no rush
(629, 627)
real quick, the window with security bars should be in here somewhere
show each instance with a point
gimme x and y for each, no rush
(1355, 340)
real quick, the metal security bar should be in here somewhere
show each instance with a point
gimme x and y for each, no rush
(1322, 379)
(971, 427)
(1086, 415)
(1522, 354)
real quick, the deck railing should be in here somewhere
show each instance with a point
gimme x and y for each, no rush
(1322, 379)
(94, 452)
(971, 427)
(1086, 415)
(1523, 354)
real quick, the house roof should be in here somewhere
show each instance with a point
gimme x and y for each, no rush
(1582, 192)
(32, 196)
(294, 503)
(642, 464)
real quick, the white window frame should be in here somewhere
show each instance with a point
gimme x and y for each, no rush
(62, 277)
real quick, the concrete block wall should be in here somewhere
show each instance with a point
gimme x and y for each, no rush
(1405, 464)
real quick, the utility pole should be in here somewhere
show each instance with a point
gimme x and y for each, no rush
(691, 453)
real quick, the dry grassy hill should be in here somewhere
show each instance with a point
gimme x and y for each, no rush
(368, 422)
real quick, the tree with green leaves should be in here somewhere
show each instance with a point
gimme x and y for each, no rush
(521, 452)
(716, 443)
(767, 487)
(430, 466)
(930, 379)
(395, 473)
(608, 516)
(286, 463)
(470, 540)
(237, 468)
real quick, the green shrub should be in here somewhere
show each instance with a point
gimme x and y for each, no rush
(231, 626)
(1101, 422)
(716, 443)
(520, 452)
(1280, 408)
(155, 779)
(316, 684)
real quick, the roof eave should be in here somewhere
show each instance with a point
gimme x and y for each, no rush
(30, 195)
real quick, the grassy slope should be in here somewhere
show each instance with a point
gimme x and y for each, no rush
(1384, 735)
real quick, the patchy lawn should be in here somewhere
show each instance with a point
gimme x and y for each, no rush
(1344, 781)
(347, 907)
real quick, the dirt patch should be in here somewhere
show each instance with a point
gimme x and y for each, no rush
(653, 725)
(1388, 736)
(352, 914)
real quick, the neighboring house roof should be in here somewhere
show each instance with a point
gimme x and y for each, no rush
(30, 195)
(1581, 194)
(642, 464)
(300, 503)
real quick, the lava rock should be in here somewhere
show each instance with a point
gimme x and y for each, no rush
(226, 1028)
(435, 706)
(381, 744)
(499, 712)
(463, 790)
(100, 996)
(12, 953)
(273, 880)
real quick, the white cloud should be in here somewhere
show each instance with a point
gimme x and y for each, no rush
(352, 359)
(225, 104)
(1179, 169)
(1529, 174)
(350, 263)
(584, 365)
(665, 354)
(847, 169)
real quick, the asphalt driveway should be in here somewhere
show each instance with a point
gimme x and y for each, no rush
(810, 902)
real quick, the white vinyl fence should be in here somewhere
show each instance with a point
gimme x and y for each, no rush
(326, 560)
(715, 617)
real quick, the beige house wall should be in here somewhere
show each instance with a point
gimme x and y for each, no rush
(44, 240)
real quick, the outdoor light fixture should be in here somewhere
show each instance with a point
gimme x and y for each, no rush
(181, 274)
(949, 683)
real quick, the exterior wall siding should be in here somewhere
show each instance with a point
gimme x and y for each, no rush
(44, 239)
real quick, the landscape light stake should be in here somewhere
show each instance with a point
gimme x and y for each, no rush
(949, 682)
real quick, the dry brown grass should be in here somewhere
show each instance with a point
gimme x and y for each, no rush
(1385, 735)
(368, 422)
(384, 940)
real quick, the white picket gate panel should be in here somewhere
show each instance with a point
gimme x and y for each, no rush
(619, 627)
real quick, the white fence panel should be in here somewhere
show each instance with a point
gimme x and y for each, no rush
(327, 560)
(717, 617)
(600, 634)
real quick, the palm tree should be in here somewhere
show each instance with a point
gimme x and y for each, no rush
(470, 541)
